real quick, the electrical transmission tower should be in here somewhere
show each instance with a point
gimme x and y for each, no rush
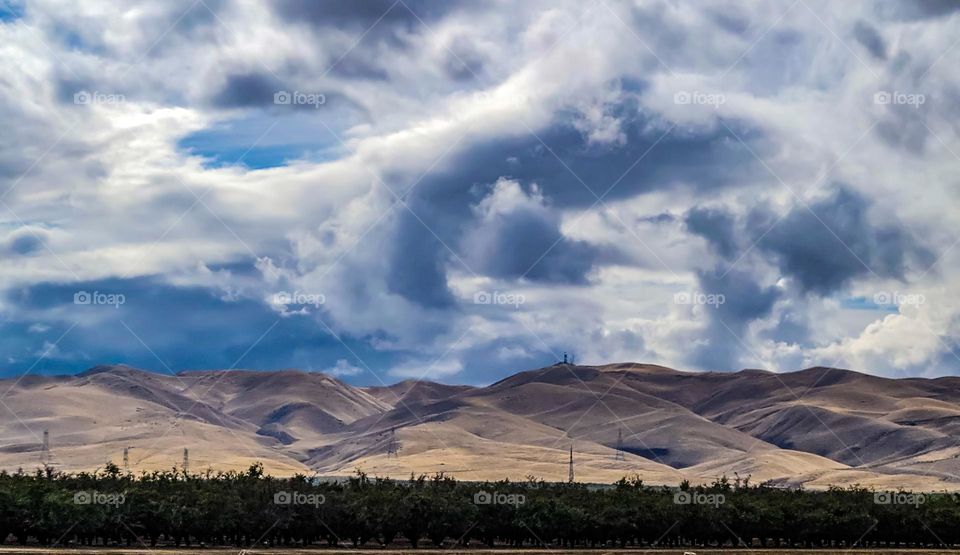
(619, 455)
(126, 460)
(186, 461)
(392, 448)
(45, 449)
(570, 473)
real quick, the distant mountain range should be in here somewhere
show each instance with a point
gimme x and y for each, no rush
(814, 427)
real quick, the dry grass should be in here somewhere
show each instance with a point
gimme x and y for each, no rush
(700, 426)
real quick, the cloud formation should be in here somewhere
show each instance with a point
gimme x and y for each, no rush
(463, 190)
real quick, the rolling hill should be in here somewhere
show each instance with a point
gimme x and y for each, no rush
(815, 427)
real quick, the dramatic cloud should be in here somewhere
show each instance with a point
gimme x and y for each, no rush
(826, 244)
(461, 190)
(871, 40)
(716, 226)
(516, 236)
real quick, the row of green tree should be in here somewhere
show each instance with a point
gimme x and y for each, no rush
(246, 509)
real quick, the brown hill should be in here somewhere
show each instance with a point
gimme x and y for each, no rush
(416, 391)
(817, 427)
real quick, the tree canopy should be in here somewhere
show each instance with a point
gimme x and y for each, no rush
(249, 508)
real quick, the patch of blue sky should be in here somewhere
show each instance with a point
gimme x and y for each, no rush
(10, 10)
(864, 303)
(263, 140)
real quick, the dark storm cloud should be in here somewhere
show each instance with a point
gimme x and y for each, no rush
(912, 10)
(373, 24)
(833, 242)
(870, 38)
(23, 243)
(743, 301)
(443, 201)
(363, 14)
(823, 247)
(417, 260)
(716, 226)
(257, 90)
(247, 90)
(528, 243)
(573, 173)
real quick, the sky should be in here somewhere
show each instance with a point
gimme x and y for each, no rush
(458, 191)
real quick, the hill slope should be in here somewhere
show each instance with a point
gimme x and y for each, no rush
(817, 427)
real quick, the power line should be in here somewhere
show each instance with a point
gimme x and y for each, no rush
(392, 447)
(619, 455)
(45, 449)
